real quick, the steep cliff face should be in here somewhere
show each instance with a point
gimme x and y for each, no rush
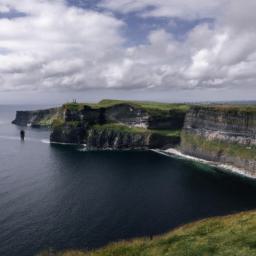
(170, 120)
(119, 126)
(120, 137)
(224, 134)
(116, 139)
(37, 118)
(128, 115)
(115, 125)
(112, 137)
(69, 133)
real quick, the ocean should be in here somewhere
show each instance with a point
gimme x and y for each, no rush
(64, 197)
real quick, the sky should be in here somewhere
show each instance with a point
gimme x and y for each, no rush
(52, 51)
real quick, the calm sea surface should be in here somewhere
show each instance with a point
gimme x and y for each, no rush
(62, 197)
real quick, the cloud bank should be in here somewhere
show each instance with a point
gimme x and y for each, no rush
(50, 45)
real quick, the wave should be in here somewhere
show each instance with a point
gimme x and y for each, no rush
(45, 141)
(171, 152)
(84, 149)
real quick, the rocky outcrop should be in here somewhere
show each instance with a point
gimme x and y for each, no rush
(121, 126)
(118, 139)
(68, 133)
(128, 115)
(223, 134)
(37, 118)
(115, 138)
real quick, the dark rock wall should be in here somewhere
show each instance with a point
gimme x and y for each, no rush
(171, 120)
(68, 134)
(228, 137)
(114, 139)
(231, 123)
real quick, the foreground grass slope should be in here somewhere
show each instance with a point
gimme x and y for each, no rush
(222, 236)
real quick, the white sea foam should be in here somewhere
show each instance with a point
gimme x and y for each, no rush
(84, 149)
(46, 141)
(224, 167)
(63, 143)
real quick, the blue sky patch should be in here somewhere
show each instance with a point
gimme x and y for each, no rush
(138, 28)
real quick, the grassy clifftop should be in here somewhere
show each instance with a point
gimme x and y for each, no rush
(146, 105)
(124, 128)
(228, 108)
(221, 236)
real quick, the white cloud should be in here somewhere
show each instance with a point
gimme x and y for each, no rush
(58, 47)
(54, 40)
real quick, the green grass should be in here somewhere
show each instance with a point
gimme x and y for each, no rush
(146, 105)
(121, 128)
(229, 108)
(218, 146)
(58, 122)
(233, 235)
(74, 106)
(168, 133)
(46, 120)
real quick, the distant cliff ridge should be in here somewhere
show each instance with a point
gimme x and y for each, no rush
(37, 118)
(221, 133)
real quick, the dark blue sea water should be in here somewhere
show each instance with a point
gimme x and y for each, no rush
(60, 197)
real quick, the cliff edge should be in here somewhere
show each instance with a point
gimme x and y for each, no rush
(221, 133)
(224, 134)
(120, 125)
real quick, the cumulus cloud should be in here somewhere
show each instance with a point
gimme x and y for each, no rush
(55, 46)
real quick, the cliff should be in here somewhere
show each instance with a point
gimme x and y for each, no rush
(120, 125)
(37, 118)
(225, 134)
(220, 133)
(111, 124)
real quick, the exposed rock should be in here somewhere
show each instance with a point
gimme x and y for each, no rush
(118, 139)
(222, 135)
(127, 114)
(114, 139)
(171, 120)
(79, 127)
(37, 118)
(68, 133)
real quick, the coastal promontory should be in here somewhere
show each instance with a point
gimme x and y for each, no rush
(222, 133)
